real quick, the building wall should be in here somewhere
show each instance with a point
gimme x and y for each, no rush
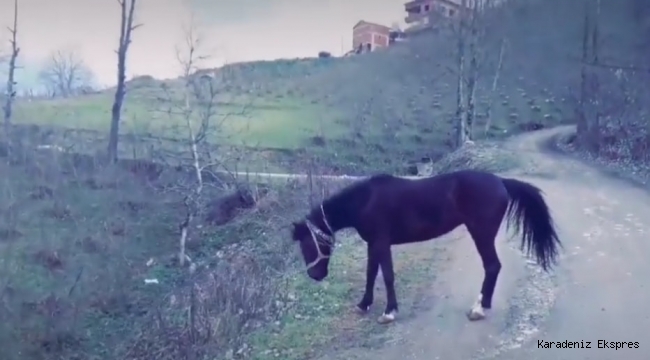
(361, 37)
(379, 40)
(446, 9)
(375, 35)
(422, 9)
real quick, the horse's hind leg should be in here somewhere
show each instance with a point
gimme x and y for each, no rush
(484, 237)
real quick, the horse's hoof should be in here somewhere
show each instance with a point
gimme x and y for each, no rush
(386, 318)
(476, 314)
(360, 310)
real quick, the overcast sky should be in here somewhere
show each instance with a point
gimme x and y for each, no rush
(233, 30)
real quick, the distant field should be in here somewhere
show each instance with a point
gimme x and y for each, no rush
(281, 123)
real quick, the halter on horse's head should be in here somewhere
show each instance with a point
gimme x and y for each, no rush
(316, 243)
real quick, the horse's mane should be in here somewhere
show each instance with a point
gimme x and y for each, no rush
(347, 203)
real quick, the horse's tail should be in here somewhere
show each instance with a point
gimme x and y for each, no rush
(530, 215)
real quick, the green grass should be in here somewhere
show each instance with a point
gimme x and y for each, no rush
(75, 246)
(252, 121)
(324, 314)
(292, 123)
(73, 258)
(319, 310)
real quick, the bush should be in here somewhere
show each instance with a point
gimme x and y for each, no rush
(219, 306)
(484, 156)
(78, 242)
(239, 290)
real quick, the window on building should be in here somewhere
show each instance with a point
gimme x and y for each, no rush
(452, 12)
(412, 11)
(426, 8)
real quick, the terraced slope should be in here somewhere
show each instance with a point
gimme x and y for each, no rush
(371, 112)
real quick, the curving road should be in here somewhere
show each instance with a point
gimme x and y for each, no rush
(599, 291)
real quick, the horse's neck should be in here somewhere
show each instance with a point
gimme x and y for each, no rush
(336, 215)
(343, 209)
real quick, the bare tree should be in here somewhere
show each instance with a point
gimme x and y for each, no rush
(65, 74)
(189, 66)
(126, 28)
(199, 120)
(11, 82)
(473, 34)
(613, 95)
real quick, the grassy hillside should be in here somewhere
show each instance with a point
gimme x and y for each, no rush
(375, 112)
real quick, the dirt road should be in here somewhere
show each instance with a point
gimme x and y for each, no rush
(599, 292)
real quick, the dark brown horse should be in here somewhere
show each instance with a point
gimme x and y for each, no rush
(387, 210)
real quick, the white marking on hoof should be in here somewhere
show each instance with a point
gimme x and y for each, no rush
(387, 318)
(477, 312)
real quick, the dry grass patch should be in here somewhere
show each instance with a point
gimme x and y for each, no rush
(484, 156)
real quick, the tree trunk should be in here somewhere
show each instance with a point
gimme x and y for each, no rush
(588, 112)
(594, 133)
(495, 81)
(120, 91)
(473, 72)
(11, 91)
(583, 126)
(461, 114)
(595, 34)
(192, 207)
(116, 111)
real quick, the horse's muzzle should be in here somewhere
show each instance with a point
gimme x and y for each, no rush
(317, 275)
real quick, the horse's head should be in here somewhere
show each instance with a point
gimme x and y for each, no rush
(316, 246)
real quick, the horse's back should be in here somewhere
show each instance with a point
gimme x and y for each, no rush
(382, 178)
(471, 175)
(462, 186)
(482, 182)
(480, 194)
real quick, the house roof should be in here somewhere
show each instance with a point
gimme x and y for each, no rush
(419, 2)
(363, 22)
(416, 2)
(452, 3)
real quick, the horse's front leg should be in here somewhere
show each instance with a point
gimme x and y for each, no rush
(372, 268)
(386, 263)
